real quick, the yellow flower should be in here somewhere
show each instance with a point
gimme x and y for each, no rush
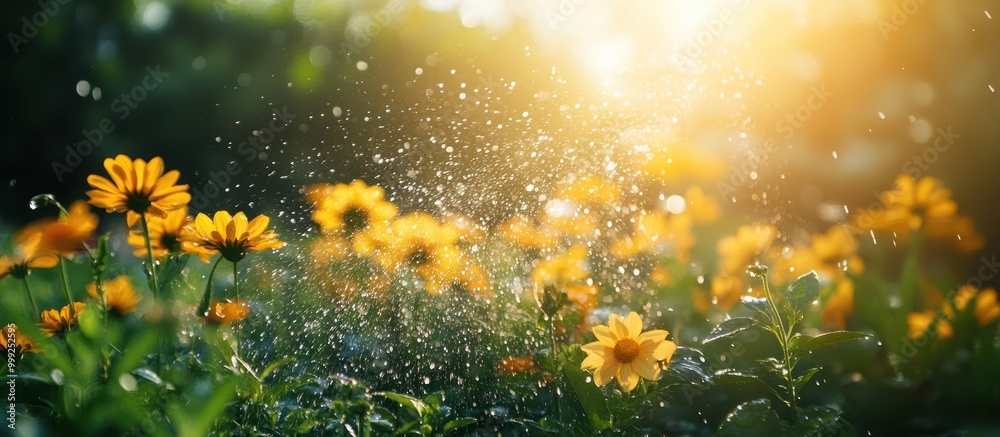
(27, 255)
(66, 235)
(568, 268)
(701, 207)
(919, 323)
(164, 233)
(656, 233)
(624, 352)
(138, 188)
(519, 231)
(222, 313)
(22, 343)
(593, 190)
(578, 206)
(417, 240)
(839, 305)
(59, 321)
(987, 309)
(352, 212)
(466, 277)
(232, 236)
(740, 250)
(470, 231)
(119, 293)
(958, 231)
(727, 290)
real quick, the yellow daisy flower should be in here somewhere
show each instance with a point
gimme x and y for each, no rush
(417, 240)
(568, 268)
(839, 305)
(138, 188)
(657, 233)
(22, 343)
(521, 232)
(119, 293)
(232, 236)
(624, 352)
(27, 255)
(351, 211)
(987, 309)
(164, 233)
(920, 322)
(66, 235)
(61, 320)
(223, 313)
(740, 250)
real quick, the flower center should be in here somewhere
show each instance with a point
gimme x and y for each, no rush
(138, 202)
(170, 242)
(419, 257)
(626, 350)
(355, 219)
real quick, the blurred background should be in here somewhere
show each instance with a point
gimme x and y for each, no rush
(789, 110)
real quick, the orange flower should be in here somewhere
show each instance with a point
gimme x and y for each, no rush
(232, 236)
(22, 343)
(920, 323)
(137, 188)
(839, 305)
(222, 313)
(66, 235)
(515, 365)
(27, 255)
(740, 250)
(987, 309)
(119, 294)
(60, 321)
(164, 234)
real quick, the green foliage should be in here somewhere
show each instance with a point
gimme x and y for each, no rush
(776, 375)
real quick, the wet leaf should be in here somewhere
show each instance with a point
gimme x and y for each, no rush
(829, 339)
(802, 292)
(591, 397)
(753, 418)
(729, 328)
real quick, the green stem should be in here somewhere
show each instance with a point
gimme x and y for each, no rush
(149, 257)
(31, 297)
(236, 324)
(65, 283)
(783, 339)
(207, 298)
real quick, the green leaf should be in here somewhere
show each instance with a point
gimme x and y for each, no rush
(415, 405)
(802, 292)
(196, 418)
(590, 395)
(803, 379)
(821, 421)
(137, 349)
(729, 328)
(753, 418)
(456, 424)
(275, 365)
(434, 400)
(829, 339)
